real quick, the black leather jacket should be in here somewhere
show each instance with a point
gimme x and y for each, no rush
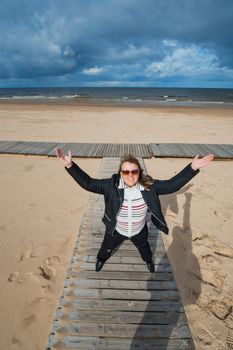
(113, 196)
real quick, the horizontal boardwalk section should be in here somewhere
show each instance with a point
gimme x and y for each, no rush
(82, 150)
(103, 150)
(189, 150)
(122, 307)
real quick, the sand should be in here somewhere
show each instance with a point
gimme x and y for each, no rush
(41, 208)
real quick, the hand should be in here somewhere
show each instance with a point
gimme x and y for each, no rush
(198, 163)
(66, 160)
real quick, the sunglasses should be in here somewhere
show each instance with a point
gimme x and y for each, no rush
(127, 172)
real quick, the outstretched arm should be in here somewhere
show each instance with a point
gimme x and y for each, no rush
(82, 178)
(184, 176)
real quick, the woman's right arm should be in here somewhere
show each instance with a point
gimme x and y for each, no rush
(82, 178)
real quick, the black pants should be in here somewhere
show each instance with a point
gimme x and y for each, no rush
(112, 242)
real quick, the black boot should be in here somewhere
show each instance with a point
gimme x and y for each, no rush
(99, 264)
(151, 266)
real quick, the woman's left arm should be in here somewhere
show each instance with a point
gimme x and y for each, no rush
(184, 176)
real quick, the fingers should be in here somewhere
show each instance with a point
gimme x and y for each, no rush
(58, 152)
(209, 157)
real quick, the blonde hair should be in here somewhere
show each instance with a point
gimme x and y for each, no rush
(145, 180)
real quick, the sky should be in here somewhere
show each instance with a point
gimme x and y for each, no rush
(131, 43)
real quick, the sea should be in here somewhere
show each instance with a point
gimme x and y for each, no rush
(121, 96)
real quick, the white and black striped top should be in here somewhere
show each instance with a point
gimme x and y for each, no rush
(132, 215)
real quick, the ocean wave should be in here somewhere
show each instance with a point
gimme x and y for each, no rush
(42, 97)
(171, 99)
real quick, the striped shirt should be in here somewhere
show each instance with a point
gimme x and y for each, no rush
(132, 215)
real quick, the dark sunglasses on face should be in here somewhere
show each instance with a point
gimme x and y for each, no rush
(127, 172)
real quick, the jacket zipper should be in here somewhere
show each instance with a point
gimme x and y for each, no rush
(157, 218)
(118, 210)
(154, 214)
(107, 217)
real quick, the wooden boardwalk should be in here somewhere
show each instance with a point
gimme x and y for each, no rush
(84, 150)
(103, 150)
(189, 150)
(124, 306)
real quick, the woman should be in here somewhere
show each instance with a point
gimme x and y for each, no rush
(128, 196)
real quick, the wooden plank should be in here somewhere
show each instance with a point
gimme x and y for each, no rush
(187, 150)
(102, 293)
(101, 150)
(12, 147)
(149, 285)
(24, 148)
(120, 305)
(121, 331)
(6, 146)
(120, 267)
(36, 148)
(227, 147)
(108, 266)
(137, 343)
(123, 317)
(118, 275)
(191, 150)
(225, 151)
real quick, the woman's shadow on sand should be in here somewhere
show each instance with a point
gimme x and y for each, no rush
(172, 317)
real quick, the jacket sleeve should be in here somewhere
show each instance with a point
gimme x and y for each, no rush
(176, 182)
(85, 181)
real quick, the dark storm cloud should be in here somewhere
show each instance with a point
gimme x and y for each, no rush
(116, 41)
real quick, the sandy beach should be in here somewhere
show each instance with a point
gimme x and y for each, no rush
(41, 208)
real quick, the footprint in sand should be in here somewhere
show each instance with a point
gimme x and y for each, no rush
(204, 335)
(23, 277)
(26, 251)
(49, 267)
(28, 168)
(16, 341)
(220, 309)
(216, 246)
(229, 339)
(229, 320)
(28, 321)
(213, 278)
(14, 276)
(211, 261)
(222, 250)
